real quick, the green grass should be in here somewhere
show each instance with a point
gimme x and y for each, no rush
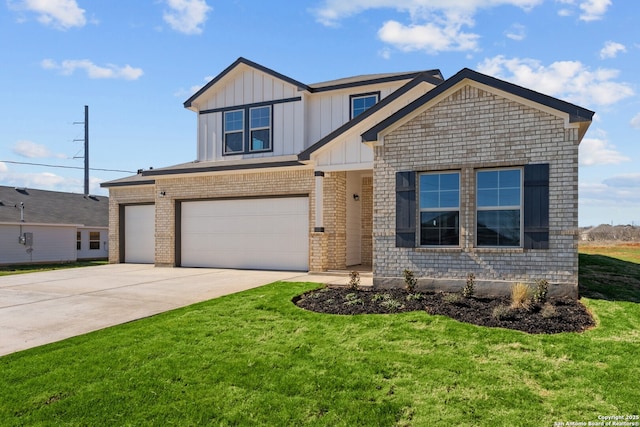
(7, 270)
(256, 359)
(610, 272)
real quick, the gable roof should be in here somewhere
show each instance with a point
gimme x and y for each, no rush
(576, 113)
(343, 83)
(425, 76)
(53, 207)
(251, 64)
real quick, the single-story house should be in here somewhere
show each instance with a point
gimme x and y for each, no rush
(39, 226)
(444, 177)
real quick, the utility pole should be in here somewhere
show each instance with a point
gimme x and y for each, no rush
(86, 148)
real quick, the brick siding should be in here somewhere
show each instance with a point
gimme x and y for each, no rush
(469, 130)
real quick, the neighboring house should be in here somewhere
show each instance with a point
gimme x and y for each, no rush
(38, 226)
(399, 171)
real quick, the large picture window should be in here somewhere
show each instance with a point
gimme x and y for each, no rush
(234, 131)
(440, 209)
(499, 207)
(260, 132)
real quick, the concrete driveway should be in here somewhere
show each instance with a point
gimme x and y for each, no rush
(40, 308)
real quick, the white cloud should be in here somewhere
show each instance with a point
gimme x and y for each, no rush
(32, 150)
(593, 10)
(434, 25)
(568, 80)
(60, 14)
(110, 71)
(429, 37)
(598, 151)
(516, 32)
(635, 121)
(333, 11)
(611, 50)
(48, 181)
(186, 16)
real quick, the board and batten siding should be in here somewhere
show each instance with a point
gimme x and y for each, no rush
(327, 111)
(247, 87)
(51, 243)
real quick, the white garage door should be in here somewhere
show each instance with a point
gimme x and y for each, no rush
(139, 229)
(246, 233)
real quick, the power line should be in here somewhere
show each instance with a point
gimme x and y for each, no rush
(63, 167)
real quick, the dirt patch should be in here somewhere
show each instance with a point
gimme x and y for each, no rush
(550, 318)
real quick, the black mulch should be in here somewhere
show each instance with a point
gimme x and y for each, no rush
(555, 316)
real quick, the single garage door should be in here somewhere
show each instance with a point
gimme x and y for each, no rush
(246, 233)
(139, 229)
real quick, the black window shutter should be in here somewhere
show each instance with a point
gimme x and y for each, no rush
(405, 209)
(536, 206)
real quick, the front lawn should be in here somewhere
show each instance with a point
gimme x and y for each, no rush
(255, 358)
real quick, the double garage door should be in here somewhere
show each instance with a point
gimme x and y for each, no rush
(269, 233)
(240, 233)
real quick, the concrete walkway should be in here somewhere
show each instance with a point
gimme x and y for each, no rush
(40, 308)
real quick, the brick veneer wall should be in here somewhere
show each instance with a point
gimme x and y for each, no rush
(468, 130)
(179, 188)
(335, 219)
(122, 196)
(367, 220)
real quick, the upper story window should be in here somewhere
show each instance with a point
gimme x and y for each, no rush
(247, 130)
(260, 125)
(361, 103)
(499, 207)
(234, 131)
(440, 209)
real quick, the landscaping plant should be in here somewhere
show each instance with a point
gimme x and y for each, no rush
(469, 288)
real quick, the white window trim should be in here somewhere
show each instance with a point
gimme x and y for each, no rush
(375, 95)
(500, 208)
(420, 209)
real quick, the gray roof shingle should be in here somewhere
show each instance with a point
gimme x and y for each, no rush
(53, 207)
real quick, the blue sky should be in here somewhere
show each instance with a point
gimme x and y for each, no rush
(135, 62)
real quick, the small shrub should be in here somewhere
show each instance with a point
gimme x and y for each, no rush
(391, 304)
(354, 280)
(451, 298)
(502, 312)
(521, 296)
(469, 288)
(353, 299)
(380, 297)
(540, 293)
(410, 280)
(548, 311)
(415, 297)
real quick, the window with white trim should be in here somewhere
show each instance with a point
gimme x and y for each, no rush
(361, 103)
(234, 131)
(499, 208)
(440, 209)
(94, 240)
(260, 128)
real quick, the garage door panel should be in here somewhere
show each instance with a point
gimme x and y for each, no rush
(139, 234)
(246, 233)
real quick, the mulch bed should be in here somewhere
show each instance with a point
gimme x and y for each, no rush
(555, 316)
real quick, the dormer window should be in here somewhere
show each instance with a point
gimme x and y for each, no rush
(361, 103)
(257, 137)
